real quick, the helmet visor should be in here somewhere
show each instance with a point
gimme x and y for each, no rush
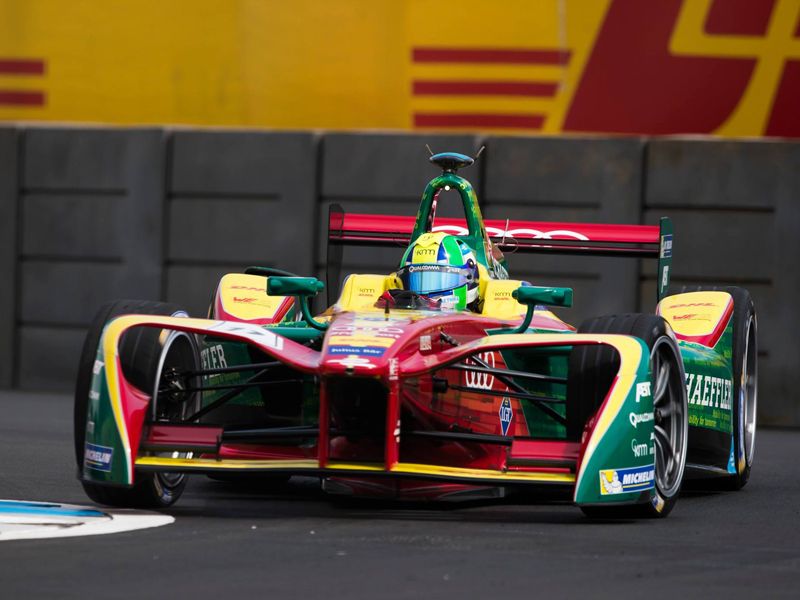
(428, 279)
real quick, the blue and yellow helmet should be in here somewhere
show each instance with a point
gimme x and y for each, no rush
(441, 267)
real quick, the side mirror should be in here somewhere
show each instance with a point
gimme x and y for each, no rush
(549, 296)
(294, 286)
(530, 296)
(301, 287)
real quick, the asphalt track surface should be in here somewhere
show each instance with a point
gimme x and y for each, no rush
(292, 541)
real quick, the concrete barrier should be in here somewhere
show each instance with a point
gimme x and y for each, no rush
(569, 179)
(236, 199)
(90, 209)
(737, 222)
(8, 254)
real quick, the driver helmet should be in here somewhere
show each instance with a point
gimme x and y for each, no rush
(443, 268)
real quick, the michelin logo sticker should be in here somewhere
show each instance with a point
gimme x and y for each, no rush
(621, 481)
(98, 457)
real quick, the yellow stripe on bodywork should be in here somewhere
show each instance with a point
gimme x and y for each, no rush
(223, 464)
(111, 335)
(399, 469)
(463, 473)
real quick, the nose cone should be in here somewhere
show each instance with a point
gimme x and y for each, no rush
(363, 343)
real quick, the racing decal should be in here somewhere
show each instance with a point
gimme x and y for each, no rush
(643, 449)
(709, 401)
(98, 457)
(642, 390)
(481, 381)
(362, 337)
(425, 343)
(699, 317)
(506, 414)
(666, 246)
(621, 481)
(351, 362)
(636, 418)
(731, 462)
(360, 350)
(243, 297)
(521, 233)
(213, 357)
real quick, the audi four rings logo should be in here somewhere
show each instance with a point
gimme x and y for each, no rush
(519, 233)
(482, 381)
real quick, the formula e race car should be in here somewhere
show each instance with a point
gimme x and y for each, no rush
(443, 380)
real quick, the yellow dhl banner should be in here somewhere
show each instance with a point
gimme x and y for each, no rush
(724, 67)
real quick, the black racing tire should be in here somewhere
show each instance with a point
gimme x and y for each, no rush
(745, 380)
(140, 351)
(592, 370)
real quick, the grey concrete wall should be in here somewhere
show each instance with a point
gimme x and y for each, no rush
(91, 215)
(237, 199)
(736, 213)
(572, 180)
(90, 212)
(8, 253)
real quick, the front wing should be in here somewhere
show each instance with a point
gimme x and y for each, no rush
(612, 463)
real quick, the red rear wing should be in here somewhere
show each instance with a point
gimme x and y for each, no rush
(524, 236)
(588, 239)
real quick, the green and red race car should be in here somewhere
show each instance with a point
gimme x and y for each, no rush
(443, 380)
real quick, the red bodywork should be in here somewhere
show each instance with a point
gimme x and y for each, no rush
(411, 344)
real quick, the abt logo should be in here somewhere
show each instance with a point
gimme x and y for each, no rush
(481, 381)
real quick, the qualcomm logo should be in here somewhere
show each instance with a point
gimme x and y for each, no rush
(522, 233)
(481, 381)
(635, 418)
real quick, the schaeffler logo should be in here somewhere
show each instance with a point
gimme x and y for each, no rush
(481, 381)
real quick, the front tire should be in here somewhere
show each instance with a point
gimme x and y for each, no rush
(591, 374)
(146, 356)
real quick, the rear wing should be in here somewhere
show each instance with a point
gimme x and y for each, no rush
(589, 239)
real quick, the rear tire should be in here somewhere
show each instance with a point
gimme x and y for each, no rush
(745, 380)
(140, 352)
(592, 371)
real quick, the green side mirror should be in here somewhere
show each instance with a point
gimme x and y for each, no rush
(301, 287)
(549, 296)
(532, 295)
(294, 286)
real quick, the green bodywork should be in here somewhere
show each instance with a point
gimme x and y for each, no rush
(618, 449)
(102, 432)
(709, 382)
